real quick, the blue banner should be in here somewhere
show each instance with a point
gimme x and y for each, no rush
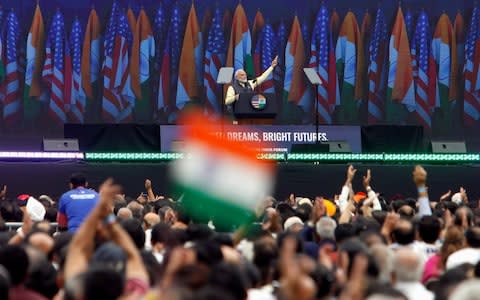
(280, 138)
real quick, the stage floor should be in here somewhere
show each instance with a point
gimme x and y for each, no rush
(301, 178)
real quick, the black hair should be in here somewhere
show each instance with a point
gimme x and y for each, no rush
(134, 228)
(229, 277)
(429, 229)
(43, 279)
(472, 236)
(15, 259)
(78, 179)
(343, 232)
(404, 236)
(303, 212)
(103, 284)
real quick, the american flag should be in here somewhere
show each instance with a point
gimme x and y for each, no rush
(425, 79)
(54, 68)
(268, 54)
(2, 41)
(170, 61)
(160, 30)
(281, 42)
(409, 24)
(11, 102)
(213, 61)
(471, 94)
(320, 52)
(78, 101)
(118, 99)
(376, 70)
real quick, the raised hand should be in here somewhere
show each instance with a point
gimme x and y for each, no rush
(350, 173)
(366, 179)
(108, 192)
(148, 184)
(419, 176)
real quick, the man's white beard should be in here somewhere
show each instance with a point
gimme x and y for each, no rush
(243, 80)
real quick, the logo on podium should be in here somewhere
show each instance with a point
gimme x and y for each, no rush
(258, 102)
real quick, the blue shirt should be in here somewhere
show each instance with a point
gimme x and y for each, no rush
(76, 205)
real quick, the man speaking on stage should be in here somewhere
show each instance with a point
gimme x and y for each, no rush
(242, 85)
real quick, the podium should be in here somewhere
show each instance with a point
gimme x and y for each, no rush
(256, 108)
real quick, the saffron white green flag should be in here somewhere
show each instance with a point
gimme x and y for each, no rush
(221, 180)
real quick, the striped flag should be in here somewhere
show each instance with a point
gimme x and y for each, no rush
(268, 54)
(279, 72)
(240, 46)
(191, 67)
(348, 61)
(206, 25)
(257, 27)
(208, 184)
(426, 93)
(295, 90)
(170, 58)
(56, 70)
(11, 101)
(409, 25)
(90, 65)
(444, 53)
(2, 54)
(323, 60)
(377, 69)
(214, 60)
(35, 56)
(361, 89)
(471, 105)
(335, 26)
(400, 87)
(141, 65)
(132, 20)
(160, 31)
(118, 98)
(79, 100)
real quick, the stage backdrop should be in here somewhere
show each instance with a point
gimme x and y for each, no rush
(145, 61)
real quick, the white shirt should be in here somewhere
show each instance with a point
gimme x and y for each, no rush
(462, 256)
(414, 291)
(148, 238)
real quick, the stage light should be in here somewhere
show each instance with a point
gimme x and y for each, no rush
(125, 156)
(40, 155)
(334, 157)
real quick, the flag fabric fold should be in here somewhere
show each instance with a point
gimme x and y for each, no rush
(214, 60)
(471, 105)
(426, 88)
(141, 66)
(118, 98)
(349, 59)
(322, 58)
(377, 70)
(268, 54)
(400, 87)
(11, 85)
(239, 54)
(191, 66)
(35, 56)
(79, 99)
(91, 65)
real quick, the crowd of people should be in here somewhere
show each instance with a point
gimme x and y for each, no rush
(351, 246)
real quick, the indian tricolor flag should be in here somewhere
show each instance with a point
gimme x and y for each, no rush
(294, 85)
(191, 61)
(141, 63)
(132, 21)
(444, 53)
(349, 59)
(239, 55)
(220, 179)
(258, 24)
(400, 88)
(33, 72)
(91, 63)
